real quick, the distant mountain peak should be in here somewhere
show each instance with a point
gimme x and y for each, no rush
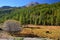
(32, 4)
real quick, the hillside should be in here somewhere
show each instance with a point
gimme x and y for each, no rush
(40, 14)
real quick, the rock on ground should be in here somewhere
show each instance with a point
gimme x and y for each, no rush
(37, 39)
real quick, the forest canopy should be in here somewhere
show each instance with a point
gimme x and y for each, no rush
(40, 14)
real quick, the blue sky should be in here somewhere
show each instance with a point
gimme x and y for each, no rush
(23, 2)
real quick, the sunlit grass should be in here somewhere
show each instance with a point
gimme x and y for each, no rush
(18, 38)
(45, 32)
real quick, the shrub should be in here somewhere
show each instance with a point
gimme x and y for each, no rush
(12, 25)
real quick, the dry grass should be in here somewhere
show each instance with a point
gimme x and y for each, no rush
(42, 31)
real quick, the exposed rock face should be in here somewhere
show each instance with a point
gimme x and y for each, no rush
(11, 25)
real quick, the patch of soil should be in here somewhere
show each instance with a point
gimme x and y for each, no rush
(5, 35)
